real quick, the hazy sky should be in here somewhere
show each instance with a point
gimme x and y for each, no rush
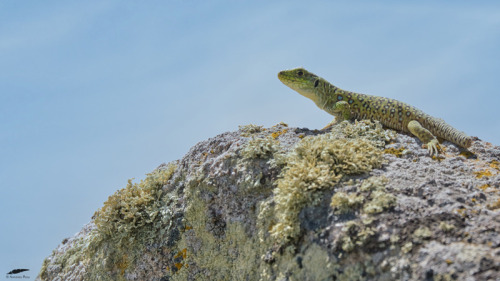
(93, 93)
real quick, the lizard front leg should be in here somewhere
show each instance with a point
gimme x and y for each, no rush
(342, 111)
(425, 136)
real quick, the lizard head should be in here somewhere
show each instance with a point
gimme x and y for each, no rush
(302, 81)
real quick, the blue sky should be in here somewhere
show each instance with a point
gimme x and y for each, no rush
(93, 93)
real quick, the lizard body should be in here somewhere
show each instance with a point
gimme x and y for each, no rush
(346, 105)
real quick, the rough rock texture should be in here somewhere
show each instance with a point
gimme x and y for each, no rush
(359, 203)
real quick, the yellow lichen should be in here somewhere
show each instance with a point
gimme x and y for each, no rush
(182, 253)
(278, 133)
(462, 211)
(484, 186)
(467, 154)
(123, 264)
(495, 165)
(398, 152)
(495, 205)
(483, 173)
(178, 265)
(179, 260)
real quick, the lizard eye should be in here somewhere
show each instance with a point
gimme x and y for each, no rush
(316, 83)
(300, 73)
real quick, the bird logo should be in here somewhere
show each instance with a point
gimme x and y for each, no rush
(17, 271)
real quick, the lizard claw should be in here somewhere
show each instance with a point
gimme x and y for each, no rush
(433, 147)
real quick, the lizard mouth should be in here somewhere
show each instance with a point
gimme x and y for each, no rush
(281, 75)
(287, 79)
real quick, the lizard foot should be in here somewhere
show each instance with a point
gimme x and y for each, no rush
(433, 147)
(329, 125)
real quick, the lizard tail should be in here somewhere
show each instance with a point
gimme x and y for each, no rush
(447, 132)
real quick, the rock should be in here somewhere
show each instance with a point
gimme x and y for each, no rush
(279, 203)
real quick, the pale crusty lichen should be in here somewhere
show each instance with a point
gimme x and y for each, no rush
(260, 148)
(370, 199)
(134, 206)
(374, 183)
(129, 220)
(380, 200)
(317, 162)
(247, 130)
(224, 257)
(72, 256)
(366, 129)
(343, 202)
(407, 247)
(446, 227)
(422, 233)
(376, 201)
(355, 234)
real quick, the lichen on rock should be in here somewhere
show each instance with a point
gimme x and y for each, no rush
(317, 163)
(285, 203)
(134, 206)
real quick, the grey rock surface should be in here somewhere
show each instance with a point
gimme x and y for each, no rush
(257, 204)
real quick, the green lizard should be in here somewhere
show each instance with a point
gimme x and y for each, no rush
(345, 105)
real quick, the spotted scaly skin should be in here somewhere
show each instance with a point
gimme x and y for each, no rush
(345, 105)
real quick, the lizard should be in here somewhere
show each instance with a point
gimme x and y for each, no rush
(346, 105)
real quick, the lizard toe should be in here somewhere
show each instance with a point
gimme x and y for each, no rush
(433, 147)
